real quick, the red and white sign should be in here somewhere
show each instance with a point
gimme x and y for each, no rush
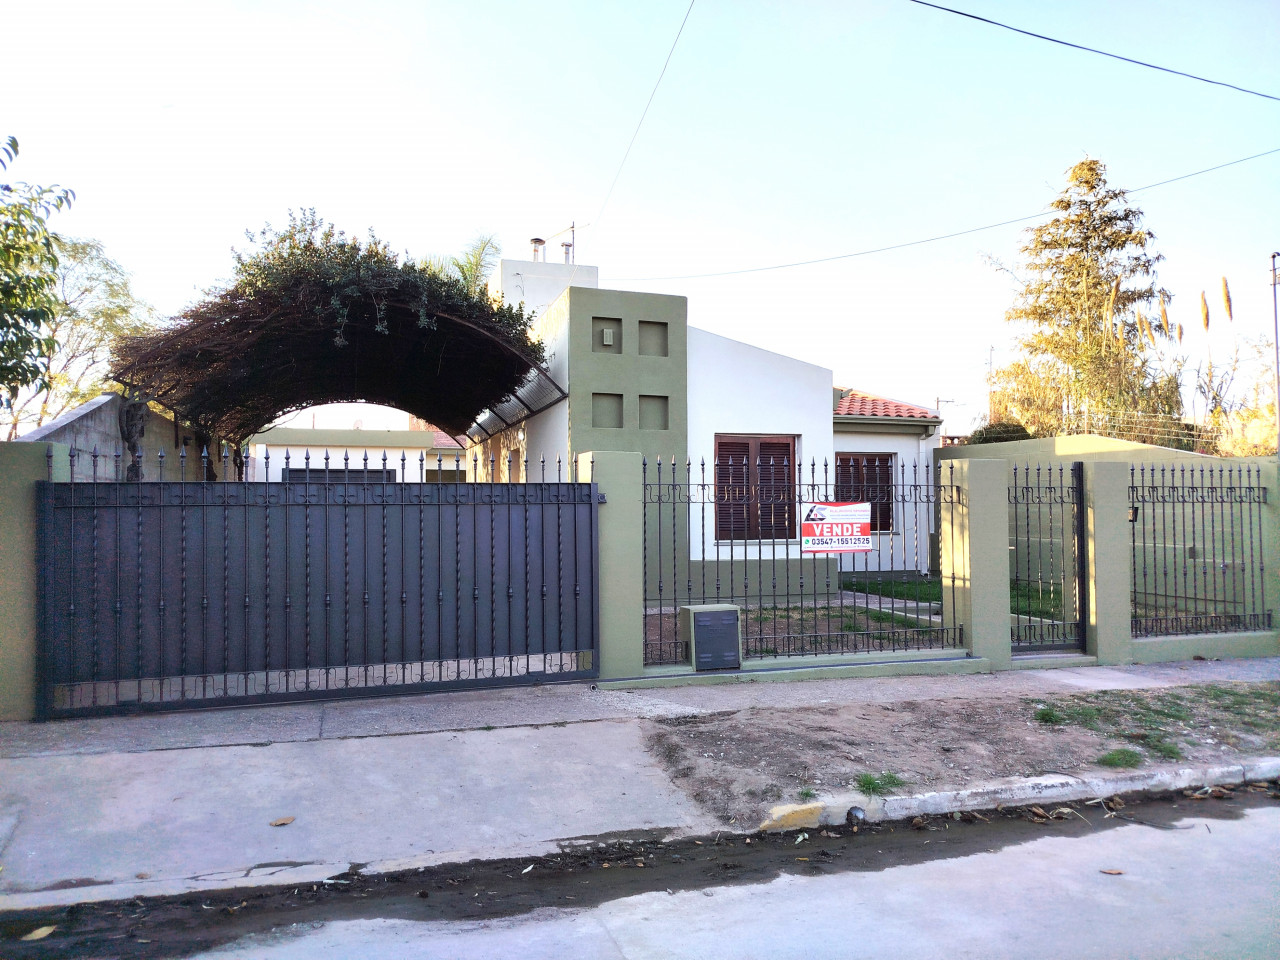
(836, 528)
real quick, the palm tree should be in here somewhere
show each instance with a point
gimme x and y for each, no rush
(472, 267)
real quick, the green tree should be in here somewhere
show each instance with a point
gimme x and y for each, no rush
(28, 261)
(1093, 316)
(312, 316)
(93, 307)
(472, 267)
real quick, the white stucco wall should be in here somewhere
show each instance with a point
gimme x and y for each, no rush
(907, 546)
(547, 433)
(737, 388)
(536, 284)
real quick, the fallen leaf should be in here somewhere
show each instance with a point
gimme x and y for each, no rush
(801, 838)
(981, 817)
(1039, 812)
(529, 867)
(142, 941)
(803, 859)
(282, 822)
(39, 933)
(1112, 873)
(143, 876)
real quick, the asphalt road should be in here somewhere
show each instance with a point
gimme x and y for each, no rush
(1200, 882)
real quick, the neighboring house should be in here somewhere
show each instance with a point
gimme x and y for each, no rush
(356, 456)
(884, 450)
(132, 442)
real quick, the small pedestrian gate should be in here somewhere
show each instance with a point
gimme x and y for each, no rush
(172, 594)
(1047, 558)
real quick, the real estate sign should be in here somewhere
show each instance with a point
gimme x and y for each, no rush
(836, 528)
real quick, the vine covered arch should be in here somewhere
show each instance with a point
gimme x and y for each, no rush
(315, 317)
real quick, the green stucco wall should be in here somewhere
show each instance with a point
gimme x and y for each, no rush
(21, 466)
(623, 371)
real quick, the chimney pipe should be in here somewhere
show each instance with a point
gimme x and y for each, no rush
(568, 251)
(539, 250)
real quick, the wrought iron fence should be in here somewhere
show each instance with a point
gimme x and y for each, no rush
(1197, 549)
(1047, 558)
(182, 593)
(728, 533)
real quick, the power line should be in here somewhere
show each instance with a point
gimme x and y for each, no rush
(1103, 53)
(945, 236)
(645, 113)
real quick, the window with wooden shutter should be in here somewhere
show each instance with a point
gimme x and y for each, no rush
(755, 488)
(867, 478)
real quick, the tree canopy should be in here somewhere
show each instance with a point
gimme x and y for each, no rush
(316, 317)
(28, 261)
(93, 306)
(1094, 318)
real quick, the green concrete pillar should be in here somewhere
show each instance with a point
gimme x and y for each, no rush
(973, 540)
(621, 538)
(1109, 562)
(1270, 478)
(21, 465)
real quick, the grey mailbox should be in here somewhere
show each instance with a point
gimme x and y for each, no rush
(711, 630)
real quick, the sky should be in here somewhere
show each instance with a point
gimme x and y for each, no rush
(780, 132)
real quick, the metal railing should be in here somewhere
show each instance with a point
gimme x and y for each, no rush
(728, 533)
(1047, 546)
(1197, 549)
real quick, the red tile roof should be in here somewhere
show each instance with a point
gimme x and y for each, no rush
(855, 403)
(443, 440)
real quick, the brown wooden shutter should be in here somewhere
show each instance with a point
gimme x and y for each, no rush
(776, 489)
(867, 478)
(732, 488)
(755, 488)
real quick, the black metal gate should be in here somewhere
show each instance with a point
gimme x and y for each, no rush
(181, 594)
(1047, 558)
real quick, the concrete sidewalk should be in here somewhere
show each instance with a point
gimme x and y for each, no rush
(142, 806)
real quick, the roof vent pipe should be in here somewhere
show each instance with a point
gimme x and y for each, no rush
(539, 250)
(568, 251)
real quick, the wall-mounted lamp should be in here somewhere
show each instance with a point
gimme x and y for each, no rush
(1133, 514)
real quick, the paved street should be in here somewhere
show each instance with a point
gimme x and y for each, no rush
(393, 782)
(1208, 891)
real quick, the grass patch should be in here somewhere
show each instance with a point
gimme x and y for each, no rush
(1165, 750)
(1121, 757)
(1164, 723)
(1037, 601)
(877, 785)
(1051, 715)
(921, 591)
(896, 619)
(807, 793)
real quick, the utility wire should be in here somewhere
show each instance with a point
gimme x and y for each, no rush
(1104, 53)
(645, 113)
(945, 236)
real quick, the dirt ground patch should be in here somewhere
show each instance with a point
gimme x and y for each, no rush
(737, 764)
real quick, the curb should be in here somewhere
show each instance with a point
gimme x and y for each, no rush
(1012, 791)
